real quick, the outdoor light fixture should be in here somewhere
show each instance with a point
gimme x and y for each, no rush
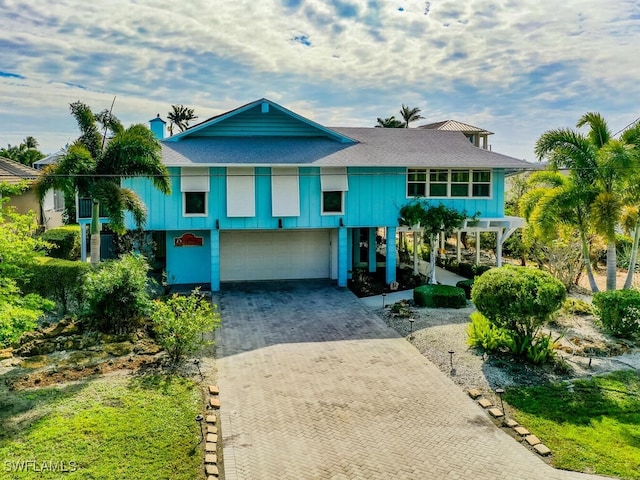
(451, 352)
(500, 392)
(279, 223)
(196, 362)
(411, 320)
(383, 299)
(217, 224)
(341, 222)
(199, 419)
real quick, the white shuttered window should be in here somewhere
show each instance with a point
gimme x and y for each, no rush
(241, 192)
(285, 192)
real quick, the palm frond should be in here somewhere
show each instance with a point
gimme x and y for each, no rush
(116, 201)
(89, 135)
(599, 133)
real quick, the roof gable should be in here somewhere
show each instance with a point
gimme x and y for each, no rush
(262, 118)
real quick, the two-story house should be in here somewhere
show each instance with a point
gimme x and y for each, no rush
(262, 193)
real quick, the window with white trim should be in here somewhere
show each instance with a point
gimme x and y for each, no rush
(448, 183)
(194, 185)
(333, 183)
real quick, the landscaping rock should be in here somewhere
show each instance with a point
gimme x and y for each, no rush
(146, 346)
(542, 449)
(496, 412)
(210, 447)
(510, 423)
(210, 458)
(523, 432)
(212, 438)
(213, 390)
(211, 469)
(118, 349)
(214, 402)
(485, 403)
(6, 353)
(211, 419)
(474, 393)
(532, 440)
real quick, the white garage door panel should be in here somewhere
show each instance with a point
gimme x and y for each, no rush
(274, 255)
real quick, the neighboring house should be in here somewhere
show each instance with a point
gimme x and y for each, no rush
(262, 193)
(53, 201)
(14, 173)
(477, 136)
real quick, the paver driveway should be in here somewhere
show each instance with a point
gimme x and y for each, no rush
(313, 385)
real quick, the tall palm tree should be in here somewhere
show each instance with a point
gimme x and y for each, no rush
(390, 122)
(180, 116)
(554, 200)
(94, 168)
(631, 213)
(594, 160)
(410, 115)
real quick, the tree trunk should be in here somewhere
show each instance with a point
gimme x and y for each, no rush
(611, 266)
(95, 233)
(634, 256)
(587, 262)
(434, 245)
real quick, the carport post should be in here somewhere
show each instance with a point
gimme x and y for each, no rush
(342, 256)
(372, 249)
(215, 260)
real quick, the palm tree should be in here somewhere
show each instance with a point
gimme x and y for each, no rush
(94, 168)
(390, 122)
(410, 115)
(180, 116)
(631, 212)
(595, 161)
(554, 200)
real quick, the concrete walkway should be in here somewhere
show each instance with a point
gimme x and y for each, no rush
(315, 386)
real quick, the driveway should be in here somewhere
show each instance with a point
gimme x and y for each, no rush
(313, 385)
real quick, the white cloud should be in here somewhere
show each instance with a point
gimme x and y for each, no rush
(536, 62)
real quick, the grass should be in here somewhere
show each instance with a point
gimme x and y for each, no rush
(109, 428)
(592, 427)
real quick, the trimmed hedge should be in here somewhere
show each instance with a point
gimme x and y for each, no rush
(439, 296)
(57, 279)
(619, 312)
(65, 242)
(466, 285)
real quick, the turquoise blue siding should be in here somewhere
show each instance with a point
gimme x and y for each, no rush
(189, 264)
(390, 273)
(373, 199)
(343, 248)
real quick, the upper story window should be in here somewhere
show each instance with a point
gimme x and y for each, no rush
(194, 184)
(448, 182)
(333, 183)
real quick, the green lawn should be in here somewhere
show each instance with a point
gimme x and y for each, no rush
(110, 428)
(593, 427)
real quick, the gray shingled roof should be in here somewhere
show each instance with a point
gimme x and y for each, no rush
(379, 147)
(12, 172)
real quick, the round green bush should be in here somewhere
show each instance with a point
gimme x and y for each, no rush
(439, 296)
(519, 300)
(619, 312)
(466, 285)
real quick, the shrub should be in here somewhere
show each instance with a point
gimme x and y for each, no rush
(439, 296)
(180, 322)
(64, 242)
(58, 280)
(619, 312)
(18, 313)
(480, 269)
(466, 285)
(466, 270)
(481, 333)
(575, 306)
(115, 294)
(518, 300)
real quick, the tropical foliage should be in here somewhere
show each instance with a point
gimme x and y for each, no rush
(103, 155)
(389, 122)
(181, 321)
(619, 312)
(519, 300)
(26, 152)
(180, 116)
(410, 115)
(433, 220)
(602, 179)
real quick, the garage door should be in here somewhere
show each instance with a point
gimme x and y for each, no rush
(258, 255)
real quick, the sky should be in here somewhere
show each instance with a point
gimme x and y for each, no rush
(516, 68)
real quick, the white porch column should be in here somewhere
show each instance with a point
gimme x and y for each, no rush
(83, 242)
(478, 247)
(458, 249)
(499, 248)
